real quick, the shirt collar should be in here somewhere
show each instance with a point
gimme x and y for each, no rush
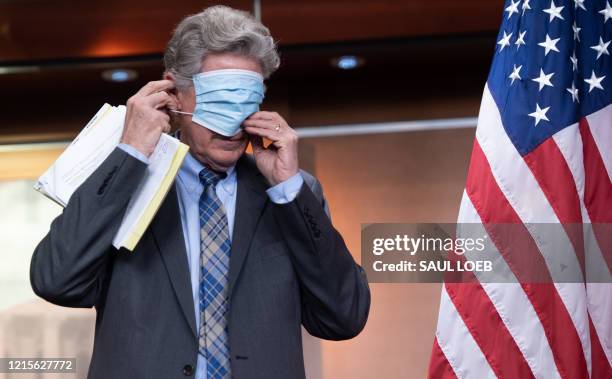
(190, 171)
(228, 183)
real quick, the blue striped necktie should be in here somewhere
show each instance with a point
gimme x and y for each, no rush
(214, 267)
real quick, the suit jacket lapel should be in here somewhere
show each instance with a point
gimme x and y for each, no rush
(168, 234)
(250, 202)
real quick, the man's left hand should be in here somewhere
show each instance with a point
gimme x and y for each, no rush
(279, 161)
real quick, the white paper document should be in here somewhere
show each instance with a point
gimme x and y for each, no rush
(87, 152)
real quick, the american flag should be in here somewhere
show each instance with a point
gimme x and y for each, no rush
(542, 154)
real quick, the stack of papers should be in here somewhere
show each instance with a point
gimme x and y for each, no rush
(87, 152)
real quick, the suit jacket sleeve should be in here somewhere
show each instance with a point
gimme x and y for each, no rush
(69, 265)
(335, 292)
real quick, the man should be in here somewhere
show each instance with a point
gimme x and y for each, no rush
(240, 253)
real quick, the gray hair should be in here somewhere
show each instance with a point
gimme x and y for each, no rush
(218, 29)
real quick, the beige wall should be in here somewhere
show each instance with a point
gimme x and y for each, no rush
(404, 177)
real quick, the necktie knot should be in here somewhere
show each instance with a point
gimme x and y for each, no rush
(208, 177)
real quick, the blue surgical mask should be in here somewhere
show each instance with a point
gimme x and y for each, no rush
(225, 98)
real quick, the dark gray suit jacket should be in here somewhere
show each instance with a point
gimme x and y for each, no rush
(288, 266)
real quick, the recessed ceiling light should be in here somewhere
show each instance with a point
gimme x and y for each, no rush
(347, 62)
(119, 75)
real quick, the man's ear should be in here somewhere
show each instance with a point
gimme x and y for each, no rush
(172, 92)
(168, 76)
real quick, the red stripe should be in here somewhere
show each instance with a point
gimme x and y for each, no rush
(488, 330)
(494, 208)
(439, 368)
(597, 192)
(556, 180)
(554, 176)
(600, 368)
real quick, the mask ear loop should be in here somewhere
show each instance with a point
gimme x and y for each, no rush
(180, 112)
(176, 74)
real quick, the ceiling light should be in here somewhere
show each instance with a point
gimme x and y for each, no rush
(119, 75)
(347, 62)
(9, 70)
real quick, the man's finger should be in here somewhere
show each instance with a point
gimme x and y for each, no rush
(267, 133)
(171, 104)
(266, 124)
(166, 128)
(155, 86)
(263, 115)
(158, 99)
(256, 142)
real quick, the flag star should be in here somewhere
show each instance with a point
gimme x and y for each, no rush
(515, 74)
(525, 6)
(512, 8)
(594, 81)
(574, 92)
(544, 79)
(521, 39)
(539, 114)
(554, 11)
(574, 61)
(579, 4)
(607, 13)
(576, 30)
(601, 48)
(505, 41)
(549, 44)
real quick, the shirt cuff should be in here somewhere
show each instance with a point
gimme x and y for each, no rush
(134, 152)
(285, 192)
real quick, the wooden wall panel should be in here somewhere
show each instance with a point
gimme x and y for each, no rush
(31, 30)
(316, 21)
(51, 29)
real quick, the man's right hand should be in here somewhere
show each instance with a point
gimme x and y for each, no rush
(146, 119)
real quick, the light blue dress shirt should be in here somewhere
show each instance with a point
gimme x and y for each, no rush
(189, 189)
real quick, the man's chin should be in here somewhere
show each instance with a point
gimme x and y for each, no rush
(224, 158)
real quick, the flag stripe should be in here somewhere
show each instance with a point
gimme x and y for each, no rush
(554, 177)
(493, 207)
(556, 181)
(439, 368)
(598, 187)
(600, 126)
(458, 345)
(514, 308)
(570, 144)
(488, 330)
(599, 303)
(602, 369)
(597, 191)
(600, 309)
